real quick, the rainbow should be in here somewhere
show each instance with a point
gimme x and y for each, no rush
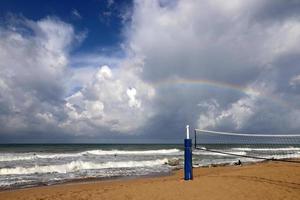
(223, 85)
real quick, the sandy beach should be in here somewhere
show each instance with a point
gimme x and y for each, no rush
(271, 180)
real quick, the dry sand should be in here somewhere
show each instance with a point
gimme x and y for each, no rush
(272, 180)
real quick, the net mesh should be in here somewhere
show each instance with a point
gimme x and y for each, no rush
(227, 147)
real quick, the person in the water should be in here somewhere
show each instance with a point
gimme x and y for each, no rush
(239, 162)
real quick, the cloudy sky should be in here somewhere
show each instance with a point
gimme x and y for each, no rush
(123, 71)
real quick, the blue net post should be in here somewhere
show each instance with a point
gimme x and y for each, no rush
(188, 165)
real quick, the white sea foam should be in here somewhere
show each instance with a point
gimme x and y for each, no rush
(218, 154)
(14, 157)
(285, 156)
(230, 161)
(80, 165)
(32, 156)
(145, 152)
(8, 183)
(268, 149)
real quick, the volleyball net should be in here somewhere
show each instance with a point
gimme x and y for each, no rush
(246, 147)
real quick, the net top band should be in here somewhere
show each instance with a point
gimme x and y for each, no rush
(247, 134)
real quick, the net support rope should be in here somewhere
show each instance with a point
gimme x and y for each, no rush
(245, 134)
(245, 156)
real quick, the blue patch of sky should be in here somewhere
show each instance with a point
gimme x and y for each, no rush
(101, 19)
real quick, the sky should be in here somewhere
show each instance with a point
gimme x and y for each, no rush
(140, 71)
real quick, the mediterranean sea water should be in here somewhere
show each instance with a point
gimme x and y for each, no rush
(27, 165)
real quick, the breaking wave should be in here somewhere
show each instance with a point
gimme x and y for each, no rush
(146, 152)
(33, 155)
(80, 165)
(268, 149)
(218, 154)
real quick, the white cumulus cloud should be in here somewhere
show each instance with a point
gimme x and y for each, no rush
(116, 99)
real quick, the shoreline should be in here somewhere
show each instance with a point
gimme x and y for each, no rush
(263, 180)
(91, 180)
(122, 178)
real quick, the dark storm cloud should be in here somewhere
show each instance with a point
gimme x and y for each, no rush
(277, 10)
(243, 43)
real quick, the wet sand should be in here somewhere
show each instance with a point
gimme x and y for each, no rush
(270, 180)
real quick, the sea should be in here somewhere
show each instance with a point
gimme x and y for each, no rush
(29, 165)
